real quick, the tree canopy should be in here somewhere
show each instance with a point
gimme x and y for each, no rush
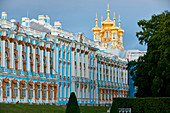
(151, 73)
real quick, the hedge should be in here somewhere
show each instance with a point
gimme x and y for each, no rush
(145, 105)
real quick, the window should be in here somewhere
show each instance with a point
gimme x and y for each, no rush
(96, 37)
(59, 68)
(59, 54)
(51, 92)
(114, 36)
(37, 51)
(44, 52)
(107, 34)
(74, 56)
(64, 54)
(45, 92)
(15, 90)
(38, 91)
(68, 56)
(30, 49)
(23, 47)
(31, 91)
(15, 45)
(23, 90)
(59, 91)
(6, 43)
(68, 91)
(7, 89)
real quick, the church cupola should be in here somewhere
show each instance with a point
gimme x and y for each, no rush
(96, 32)
(109, 34)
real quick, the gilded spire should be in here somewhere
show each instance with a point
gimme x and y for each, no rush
(114, 19)
(101, 18)
(101, 22)
(108, 11)
(119, 21)
(96, 20)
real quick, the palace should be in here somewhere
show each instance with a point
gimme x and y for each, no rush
(41, 63)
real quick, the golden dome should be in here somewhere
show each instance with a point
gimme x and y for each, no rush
(120, 29)
(107, 21)
(96, 28)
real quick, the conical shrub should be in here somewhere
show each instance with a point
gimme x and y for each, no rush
(114, 108)
(72, 105)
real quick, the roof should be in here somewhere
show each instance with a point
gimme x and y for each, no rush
(38, 27)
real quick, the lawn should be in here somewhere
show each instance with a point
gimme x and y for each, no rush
(93, 109)
(28, 108)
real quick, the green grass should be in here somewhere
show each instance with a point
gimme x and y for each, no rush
(93, 109)
(28, 108)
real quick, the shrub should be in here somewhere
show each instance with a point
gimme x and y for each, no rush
(145, 105)
(72, 105)
(114, 108)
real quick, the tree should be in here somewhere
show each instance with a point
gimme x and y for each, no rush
(114, 108)
(72, 105)
(151, 73)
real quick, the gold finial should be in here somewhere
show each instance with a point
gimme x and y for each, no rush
(107, 6)
(101, 18)
(114, 16)
(114, 19)
(96, 19)
(101, 22)
(108, 11)
(119, 21)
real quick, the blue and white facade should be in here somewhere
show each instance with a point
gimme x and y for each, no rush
(41, 63)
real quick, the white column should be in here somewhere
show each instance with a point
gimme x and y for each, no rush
(41, 62)
(112, 74)
(109, 73)
(28, 58)
(72, 63)
(124, 76)
(102, 71)
(12, 55)
(115, 74)
(54, 59)
(48, 60)
(82, 64)
(20, 56)
(78, 63)
(34, 59)
(87, 64)
(98, 71)
(3, 51)
(105, 74)
(95, 62)
(40, 99)
(57, 59)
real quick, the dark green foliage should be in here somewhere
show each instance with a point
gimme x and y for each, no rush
(151, 73)
(72, 105)
(114, 108)
(145, 105)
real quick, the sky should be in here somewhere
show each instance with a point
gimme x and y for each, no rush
(79, 15)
